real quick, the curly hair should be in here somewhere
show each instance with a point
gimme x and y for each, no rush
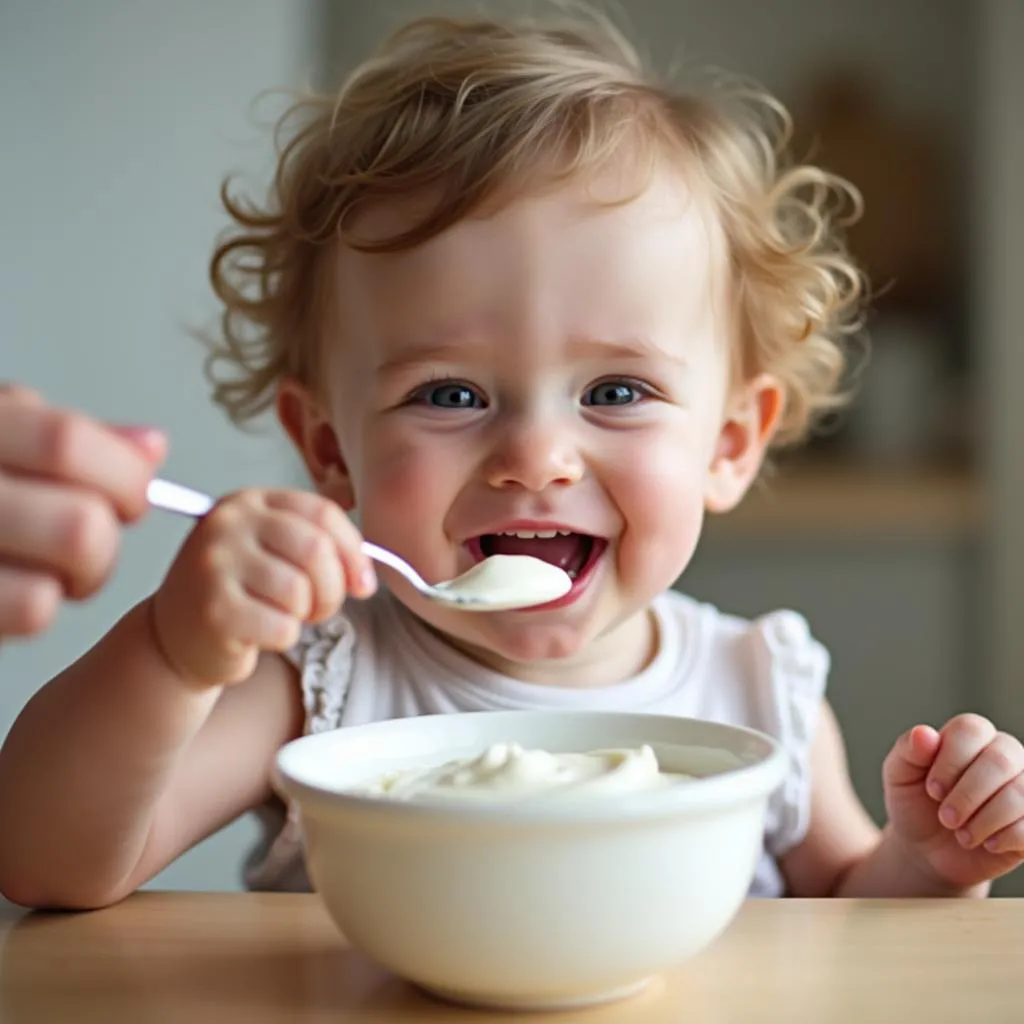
(473, 112)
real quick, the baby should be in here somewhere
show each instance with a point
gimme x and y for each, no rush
(509, 295)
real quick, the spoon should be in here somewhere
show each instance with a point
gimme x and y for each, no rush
(528, 581)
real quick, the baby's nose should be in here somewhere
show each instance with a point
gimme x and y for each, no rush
(535, 456)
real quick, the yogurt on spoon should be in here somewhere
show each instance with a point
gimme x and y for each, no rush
(510, 581)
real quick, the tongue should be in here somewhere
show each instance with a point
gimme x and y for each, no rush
(567, 552)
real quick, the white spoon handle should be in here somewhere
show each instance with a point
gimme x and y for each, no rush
(177, 498)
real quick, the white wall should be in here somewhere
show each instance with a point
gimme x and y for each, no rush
(118, 119)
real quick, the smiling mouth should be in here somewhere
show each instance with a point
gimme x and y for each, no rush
(571, 552)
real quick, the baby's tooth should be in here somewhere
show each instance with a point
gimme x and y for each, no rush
(535, 534)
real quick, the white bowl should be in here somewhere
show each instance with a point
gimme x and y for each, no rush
(533, 905)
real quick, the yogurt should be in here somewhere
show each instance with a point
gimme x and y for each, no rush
(510, 581)
(507, 772)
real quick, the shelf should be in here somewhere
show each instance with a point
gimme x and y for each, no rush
(836, 502)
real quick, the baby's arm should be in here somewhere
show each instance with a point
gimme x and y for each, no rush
(166, 729)
(841, 834)
(115, 768)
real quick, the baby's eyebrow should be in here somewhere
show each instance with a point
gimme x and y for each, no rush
(632, 349)
(578, 349)
(410, 357)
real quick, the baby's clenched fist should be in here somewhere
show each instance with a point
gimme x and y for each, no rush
(257, 567)
(956, 797)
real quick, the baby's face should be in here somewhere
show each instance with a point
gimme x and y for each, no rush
(562, 365)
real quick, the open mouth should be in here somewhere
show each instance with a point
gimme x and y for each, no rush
(573, 553)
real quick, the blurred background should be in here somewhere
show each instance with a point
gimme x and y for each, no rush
(896, 532)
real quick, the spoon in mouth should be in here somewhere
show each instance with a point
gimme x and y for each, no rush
(498, 583)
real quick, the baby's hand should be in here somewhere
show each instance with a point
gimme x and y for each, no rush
(956, 796)
(257, 566)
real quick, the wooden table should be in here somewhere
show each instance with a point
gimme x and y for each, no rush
(253, 959)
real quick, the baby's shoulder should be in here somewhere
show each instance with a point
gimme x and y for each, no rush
(776, 649)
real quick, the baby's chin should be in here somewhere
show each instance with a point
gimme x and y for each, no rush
(510, 641)
(538, 646)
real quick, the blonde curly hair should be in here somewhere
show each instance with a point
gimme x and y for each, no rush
(473, 112)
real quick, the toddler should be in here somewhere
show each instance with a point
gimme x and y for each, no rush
(508, 295)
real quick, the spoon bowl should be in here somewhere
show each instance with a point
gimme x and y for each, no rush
(173, 497)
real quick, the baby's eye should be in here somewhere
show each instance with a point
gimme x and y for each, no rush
(615, 392)
(450, 396)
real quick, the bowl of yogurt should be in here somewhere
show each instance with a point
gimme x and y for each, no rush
(532, 860)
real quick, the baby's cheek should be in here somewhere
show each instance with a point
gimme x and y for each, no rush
(396, 474)
(404, 484)
(662, 503)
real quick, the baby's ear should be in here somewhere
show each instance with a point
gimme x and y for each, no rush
(305, 421)
(751, 418)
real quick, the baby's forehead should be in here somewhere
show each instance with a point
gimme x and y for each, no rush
(606, 222)
(605, 268)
